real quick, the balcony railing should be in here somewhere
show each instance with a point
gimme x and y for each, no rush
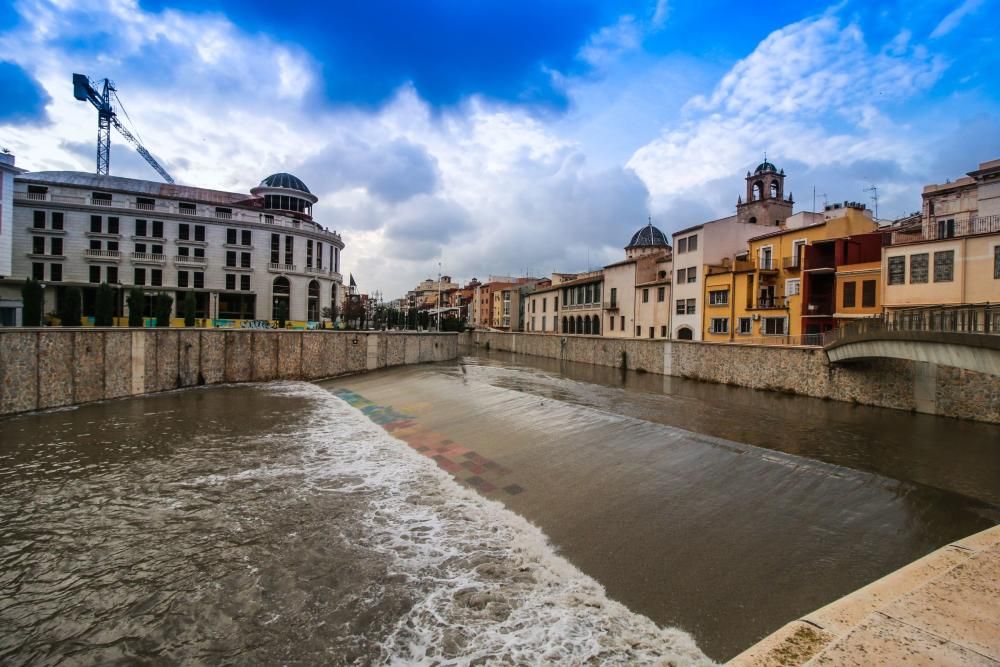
(286, 268)
(144, 206)
(224, 215)
(102, 254)
(771, 302)
(188, 259)
(148, 257)
(981, 319)
(101, 202)
(791, 263)
(37, 196)
(818, 307)
(945, 229)
(610, 305)
(767, 264)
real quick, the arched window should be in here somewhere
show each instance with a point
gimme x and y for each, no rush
(280, 292)
(572, 325)
(758, 191)
(597, 326)
(586, 325)
(312, 302)
(685, 333)
(579, 324)
(753, 220)
(565, 326)
(774, 189)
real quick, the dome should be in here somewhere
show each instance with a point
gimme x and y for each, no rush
(283, 180)
(764, 167)
(648, 236)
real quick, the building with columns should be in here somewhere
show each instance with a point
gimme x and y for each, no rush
(246, 256)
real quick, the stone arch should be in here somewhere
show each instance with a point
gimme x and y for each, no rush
(596, 329)
(753, 220)
(281, 291)
(586, 325)
(757, 192)
(572, 325)
(775, 191)
(685, 333)
(312, 301)
(565, 325)
(579, 324)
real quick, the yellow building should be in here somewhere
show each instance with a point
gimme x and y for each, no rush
(759, 294)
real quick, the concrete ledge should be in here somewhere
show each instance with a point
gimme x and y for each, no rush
(943, 608)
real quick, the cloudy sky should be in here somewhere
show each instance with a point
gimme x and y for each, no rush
(505, 137)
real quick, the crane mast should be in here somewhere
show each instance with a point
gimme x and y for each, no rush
(84, 90)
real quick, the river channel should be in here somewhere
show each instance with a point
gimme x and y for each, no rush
(492, 509)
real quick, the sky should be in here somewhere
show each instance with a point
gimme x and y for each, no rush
(510, 137)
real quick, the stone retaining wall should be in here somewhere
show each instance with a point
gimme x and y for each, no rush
(889, 383)
(47, 368)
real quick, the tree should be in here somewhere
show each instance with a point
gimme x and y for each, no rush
(164, 302)
(190, 305)
(104, 308)
(136, 301)
(281, 313)
(33, 297)
(69, 307)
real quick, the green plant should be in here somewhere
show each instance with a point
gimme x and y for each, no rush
(32, 296)
(163, 304)
(281, 313)
(69, 307)
(190, 305)
(104, 307)
(136, 301)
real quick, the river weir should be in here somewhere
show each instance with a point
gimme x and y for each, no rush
(489, 510)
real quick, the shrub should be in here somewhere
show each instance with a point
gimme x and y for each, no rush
(189, 307)
(32, 297)
(161, 309)
(104, 308)
(136, 301)
(281, 313)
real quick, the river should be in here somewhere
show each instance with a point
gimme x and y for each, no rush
(494, 509)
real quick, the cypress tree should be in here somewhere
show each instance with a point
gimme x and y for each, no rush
(190, 305)
(32, 297)
(136, 301)
(164, 302)
(69, 312)
(104, 308)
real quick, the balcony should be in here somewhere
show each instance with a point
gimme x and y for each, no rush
(148, 258)
(223, 215)
(818, 308)
(145, 206)
(770, 303)
(610, 305)
(36, 196)
(188, 259)
(102, 255)
(767, 265)
(281, 268)
(791, 263)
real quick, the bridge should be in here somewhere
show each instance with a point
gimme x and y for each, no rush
(965, 337)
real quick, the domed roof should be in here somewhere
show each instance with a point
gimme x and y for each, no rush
(283, 180)
(764, 167)
(648, 236)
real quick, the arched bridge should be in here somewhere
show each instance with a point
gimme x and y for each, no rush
(963, 337)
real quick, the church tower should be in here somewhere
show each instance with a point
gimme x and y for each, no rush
(766, 203)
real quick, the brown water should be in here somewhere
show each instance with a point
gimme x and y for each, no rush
(278, 524)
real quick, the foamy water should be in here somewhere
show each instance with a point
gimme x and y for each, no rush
(488, 586)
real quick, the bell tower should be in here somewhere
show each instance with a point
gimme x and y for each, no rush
(766, 203)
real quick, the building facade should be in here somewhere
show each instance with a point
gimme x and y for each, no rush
(246, 256)
(10, 305)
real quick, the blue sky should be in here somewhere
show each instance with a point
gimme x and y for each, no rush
(512, 137)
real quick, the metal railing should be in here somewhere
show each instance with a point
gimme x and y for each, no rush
(610, 305)
(767, 264)
(791, 262)
(972, 319)
(945, 229)
(771, 303)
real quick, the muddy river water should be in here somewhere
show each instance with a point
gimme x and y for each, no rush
(492, 509)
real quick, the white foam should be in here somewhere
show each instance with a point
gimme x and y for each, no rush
(488, 585)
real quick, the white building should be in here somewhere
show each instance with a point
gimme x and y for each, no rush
(246, 256)
(10, 309)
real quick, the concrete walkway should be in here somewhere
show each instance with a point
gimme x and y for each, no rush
(943, 609)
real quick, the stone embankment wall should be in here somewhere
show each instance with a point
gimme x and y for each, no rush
(47, 368)
(889, 383)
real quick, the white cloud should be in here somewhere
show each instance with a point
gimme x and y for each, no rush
(954, 17)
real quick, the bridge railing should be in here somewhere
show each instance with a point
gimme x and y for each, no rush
(972, 319)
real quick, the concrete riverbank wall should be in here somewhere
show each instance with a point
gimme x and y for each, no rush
(889, 383)
(47, 368)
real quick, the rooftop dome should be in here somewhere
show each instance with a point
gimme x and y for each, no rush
(648, 236)
(283, 180)
(764, 167)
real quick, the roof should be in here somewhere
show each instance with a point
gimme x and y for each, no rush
(284, 180)
(764, 167)
(621, 263)
(654, 283)
(648, 236)
(787, 230)
(595, 277)
(133, 185)
(702, 224)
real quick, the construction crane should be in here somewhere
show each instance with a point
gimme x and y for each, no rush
(84, 89)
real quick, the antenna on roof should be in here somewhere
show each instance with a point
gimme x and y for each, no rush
(874, 190)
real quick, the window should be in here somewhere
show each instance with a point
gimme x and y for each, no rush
(319, 255)
(199, 232)
(246, 237)
(543, 322)
(661, 294)
(289, 249)
(95, 274)
(156, 277)
(720, 325)
(555, 303)
(645, 295)
(183, 251)
(95, 244)
(680, 307)
(611, 323)
(158, 229)
(57, 246)
(692, 243)
(544, 304)
(918, 268)
(245, 260)
(944, 266)
(868, 294)
(996, 262)
(792, 287)
(946, 229)
(184, 231)
(692, 274)
(275, 248)
(57, 220)
(897, 270)
(223, 213)
(231, 281)
(139, 276)
(199, 252)
(623, 323)
(718, 297)
(112, 274)
(231, 236)
(182, 278)
(682, 245)
(638, 331)
(309, 253)
(245, 283)
(690, 306)
(651, 330)
(38, 271)
(140, 227)
(774, 326)
(55, 272)
(199, 280)
(187, 209)
(230, 258)
(849, 294)
(663, 331)
(156, 249)
(37, 245)
(681, 276)
(38, 220)
(746, 326)
(96, 224)
(140, 247)
(113, 245)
